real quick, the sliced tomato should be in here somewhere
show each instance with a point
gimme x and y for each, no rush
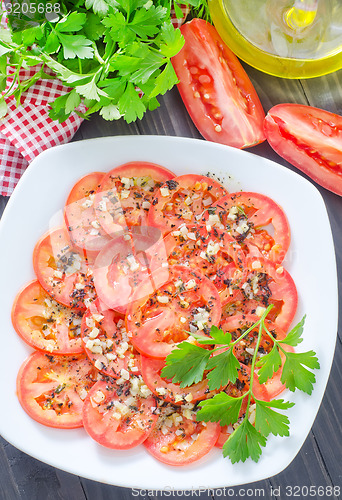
(51, 389)
(124, 263)
(116, 418)
(167, 390)
(79, 214)
(106, 342)
(125, 194)
(62, 270)
(45, 324)
(187, 302)
(247, 216)
(245, 349)
(216, 90)
(212, 252)
(178, 439)
(310, 139)
(183, 200)
(238, 389)
(266, 284)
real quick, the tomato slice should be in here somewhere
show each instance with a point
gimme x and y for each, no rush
(240, 387)
(212, 252)
(51, 389)
(247, 217)
(125, 194)
(45, 324)
(106, 342)
(124, 263)
(116, 417)
(62, 270)
(266, 284)
(79, 214)
(178, 439)
(245, 349)
(183, 200)
(310, 139)
(167, 390)
(187, 302)
(216, 90)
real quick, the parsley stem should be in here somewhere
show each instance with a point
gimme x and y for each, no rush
(275, 340)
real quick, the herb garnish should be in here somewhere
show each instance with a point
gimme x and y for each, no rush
(188, 363)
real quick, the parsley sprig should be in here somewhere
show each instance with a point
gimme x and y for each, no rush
(190, 363)
(115, 55)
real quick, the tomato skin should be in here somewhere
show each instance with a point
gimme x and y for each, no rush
(51, 328)
(310, 139)
(116, 210)
(50, 388)
(170, 211)
(156, 327)
(79, 214)
(168, 448)
(124, 432)
(215, 89)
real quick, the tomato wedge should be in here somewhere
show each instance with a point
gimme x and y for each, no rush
(166, 389)
(62, 270)
(106, 342)
(178, 439)
(116, 418)
(79, 214)
(183, 200)
(247, 216)
(51, 389)
(45, 324)
(124, 263)
(187, 302)
(266, 284)
(125, 194)
(310, 139)
(216, 90)
(211, 251)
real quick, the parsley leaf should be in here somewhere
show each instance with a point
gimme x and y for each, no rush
(221, 408)
(294, 337)
(295, 375)
(186, 364)
(224, 368)
(268, 421)
(269, 364)
(244, 442)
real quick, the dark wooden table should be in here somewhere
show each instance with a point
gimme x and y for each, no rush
(319, 463)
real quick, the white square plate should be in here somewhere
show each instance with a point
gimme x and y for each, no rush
(35, 206)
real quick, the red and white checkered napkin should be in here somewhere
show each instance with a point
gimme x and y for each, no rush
(27, 131)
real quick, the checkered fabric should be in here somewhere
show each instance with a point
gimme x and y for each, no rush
(27, 131)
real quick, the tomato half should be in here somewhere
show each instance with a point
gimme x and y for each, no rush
(125, 194)
(247, 216)
(62, 270)
(166, 389)
(187, 302)
(45, 324)
(79, 214)
(51, 389)
(124, 263)
(115, 418)
(178, 439)
(310, 139)
(240, 387)
(183, 200)
(106, 342)
(266, 284)
(216, 90)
